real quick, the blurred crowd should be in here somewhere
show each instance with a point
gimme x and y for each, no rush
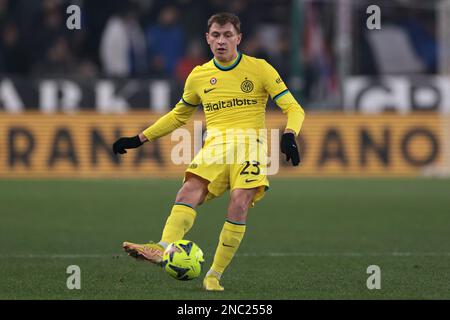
(408, 42)
(130, 38)
(165, 38)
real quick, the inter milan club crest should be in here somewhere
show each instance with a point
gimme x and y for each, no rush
(213, 81)
(247, 86)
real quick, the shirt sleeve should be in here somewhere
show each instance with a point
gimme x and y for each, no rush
(179, 115)
(279, 93)
(190, 96)
(273, 83)
(176, 118)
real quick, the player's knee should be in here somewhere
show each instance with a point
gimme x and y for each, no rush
(188, 196)
(238, 207)
(192, 192)
(240, 201)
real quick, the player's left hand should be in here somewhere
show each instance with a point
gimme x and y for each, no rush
(289, 148)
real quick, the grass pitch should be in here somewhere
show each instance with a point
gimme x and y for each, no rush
(307, 239)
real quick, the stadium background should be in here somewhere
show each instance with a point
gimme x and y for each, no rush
(375, 145)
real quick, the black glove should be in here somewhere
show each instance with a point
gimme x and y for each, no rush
(289, 148)
(126, 143)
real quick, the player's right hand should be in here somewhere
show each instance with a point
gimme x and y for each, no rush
(126, 143)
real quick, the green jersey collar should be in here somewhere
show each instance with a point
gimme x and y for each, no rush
(230, 67)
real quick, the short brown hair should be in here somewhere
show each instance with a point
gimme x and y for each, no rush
(223, 18)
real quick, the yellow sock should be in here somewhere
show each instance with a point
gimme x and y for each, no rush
(229, 240)
(178, 223)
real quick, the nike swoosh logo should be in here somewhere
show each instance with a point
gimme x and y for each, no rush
(250, 180)
(208, 90)
(225, 245)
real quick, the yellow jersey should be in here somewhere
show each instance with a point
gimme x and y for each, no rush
(233, 97)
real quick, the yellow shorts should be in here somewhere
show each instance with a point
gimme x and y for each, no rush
(246, 169)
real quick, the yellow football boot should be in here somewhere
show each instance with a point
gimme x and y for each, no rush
(211, 283)
(151, 251)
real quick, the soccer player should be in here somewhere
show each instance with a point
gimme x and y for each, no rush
(233, 89)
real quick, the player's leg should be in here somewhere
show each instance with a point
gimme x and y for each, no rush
(192, 193)
(179, 222)
(231, 236)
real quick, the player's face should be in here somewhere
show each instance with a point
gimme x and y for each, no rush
(223, 41)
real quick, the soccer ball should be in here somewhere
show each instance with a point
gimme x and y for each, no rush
(183, 260)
